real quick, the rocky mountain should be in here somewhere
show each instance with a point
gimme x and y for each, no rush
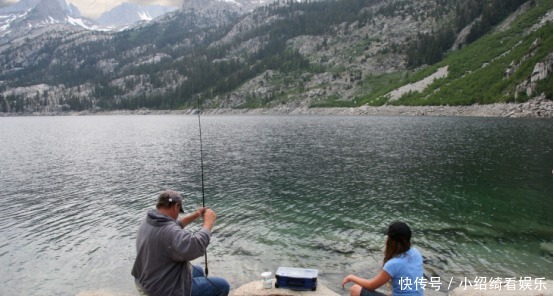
(27, 16)
(129, 13)
(51, 11)
(20, 6)
(324, 53)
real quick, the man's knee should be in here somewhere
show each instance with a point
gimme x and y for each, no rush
(197, 271)
(223, 286)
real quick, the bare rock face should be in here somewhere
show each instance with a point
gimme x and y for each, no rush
(541, 71)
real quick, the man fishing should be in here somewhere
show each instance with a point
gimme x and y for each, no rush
(164, 251)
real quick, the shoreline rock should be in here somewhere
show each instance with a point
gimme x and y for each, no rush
(539, 107)
(254, 288)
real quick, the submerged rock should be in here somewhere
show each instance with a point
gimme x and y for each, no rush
(546, 248)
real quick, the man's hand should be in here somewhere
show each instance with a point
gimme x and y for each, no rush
(200, 212)
(192, 217)
(209, 218)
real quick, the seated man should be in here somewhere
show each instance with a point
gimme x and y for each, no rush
(164, 251)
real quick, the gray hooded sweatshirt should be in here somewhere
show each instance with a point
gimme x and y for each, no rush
(164, 250)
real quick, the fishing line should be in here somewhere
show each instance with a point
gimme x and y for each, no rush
(201, 154)
(202, 177)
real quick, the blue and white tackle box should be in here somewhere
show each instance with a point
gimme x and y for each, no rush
(293, 278)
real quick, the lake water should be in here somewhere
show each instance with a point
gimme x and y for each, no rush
(301, 191)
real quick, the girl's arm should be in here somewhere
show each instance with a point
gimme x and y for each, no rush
(382, 278)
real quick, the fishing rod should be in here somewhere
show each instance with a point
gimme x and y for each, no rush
(203, 199)
(201, 160)
(202, 178)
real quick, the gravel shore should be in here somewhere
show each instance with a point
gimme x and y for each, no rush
(538, 107)
(535, 108)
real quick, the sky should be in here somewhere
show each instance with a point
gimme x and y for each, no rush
(93, 8)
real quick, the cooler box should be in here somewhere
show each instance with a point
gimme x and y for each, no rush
(296, 278)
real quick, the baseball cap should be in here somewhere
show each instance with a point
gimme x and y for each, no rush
(170, 196)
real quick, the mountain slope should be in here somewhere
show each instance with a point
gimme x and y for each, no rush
(511, 63)
(329, 53)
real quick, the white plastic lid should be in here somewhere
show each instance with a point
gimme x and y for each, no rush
(266, 274)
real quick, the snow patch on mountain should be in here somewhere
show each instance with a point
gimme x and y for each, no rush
(129, 13)
(143, 15)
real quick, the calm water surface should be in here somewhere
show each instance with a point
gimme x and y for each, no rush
(304, 191)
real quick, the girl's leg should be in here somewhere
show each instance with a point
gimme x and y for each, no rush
(359, 291)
